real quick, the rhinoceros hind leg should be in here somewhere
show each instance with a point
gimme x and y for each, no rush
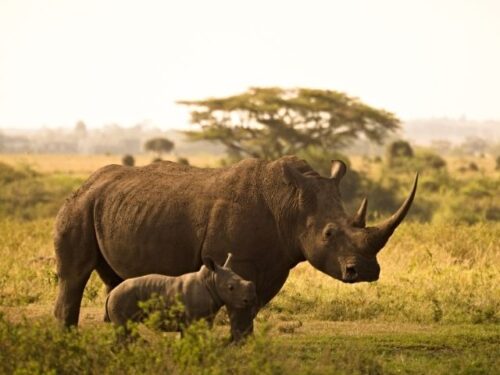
(108, 277)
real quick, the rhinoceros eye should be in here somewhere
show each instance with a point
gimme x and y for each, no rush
(230, 287)
(329, 232)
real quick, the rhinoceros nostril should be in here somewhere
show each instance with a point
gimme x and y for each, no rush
(350, 274)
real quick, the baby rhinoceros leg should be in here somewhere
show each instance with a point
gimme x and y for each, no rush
(122, 307)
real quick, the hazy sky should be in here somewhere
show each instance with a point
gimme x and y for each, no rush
(128, 61)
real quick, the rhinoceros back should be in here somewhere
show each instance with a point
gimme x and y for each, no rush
(154, 219)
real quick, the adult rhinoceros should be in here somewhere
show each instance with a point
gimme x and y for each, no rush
(125, 222)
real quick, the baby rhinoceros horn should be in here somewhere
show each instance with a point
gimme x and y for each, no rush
(212, 266)
(227, 263)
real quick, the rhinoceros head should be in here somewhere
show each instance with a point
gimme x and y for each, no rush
(232, 289)
(334, 242)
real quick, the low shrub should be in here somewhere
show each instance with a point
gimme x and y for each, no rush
(182, 160)
(10, 174)
(41, 347)
(128, 160)
(33, 196)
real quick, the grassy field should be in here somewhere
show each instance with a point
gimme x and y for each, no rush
(435, 309)
(83, 165)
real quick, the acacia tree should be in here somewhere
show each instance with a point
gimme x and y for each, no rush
(272, 122)
(159, 145)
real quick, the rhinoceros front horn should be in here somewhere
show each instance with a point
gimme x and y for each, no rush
(385, 229)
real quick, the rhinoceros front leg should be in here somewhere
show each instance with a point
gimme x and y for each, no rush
(67, 309)
(242, 319)
(76, 254)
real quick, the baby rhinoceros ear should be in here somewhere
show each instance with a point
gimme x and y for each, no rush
(209, 263)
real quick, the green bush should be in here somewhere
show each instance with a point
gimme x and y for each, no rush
(469, 201)
(182, 160)
(430, 160)
(128, 160)
(473, 167)
(41, 347)
(398, 152)
(421, 161)
(9, 174)
(30, 196)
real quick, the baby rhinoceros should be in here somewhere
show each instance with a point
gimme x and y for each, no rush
(202, 293)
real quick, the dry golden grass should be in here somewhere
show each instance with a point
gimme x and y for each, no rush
(455, 165)
(85, 164)
(485, 164)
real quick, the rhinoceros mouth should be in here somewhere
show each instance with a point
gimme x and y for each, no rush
(240, 305)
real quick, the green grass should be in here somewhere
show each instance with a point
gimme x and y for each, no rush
(39, 346)
(437, 350)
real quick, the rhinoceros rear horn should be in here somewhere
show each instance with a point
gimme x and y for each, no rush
(338, 170)
(227, 263)
(359, 219)
(387, 227)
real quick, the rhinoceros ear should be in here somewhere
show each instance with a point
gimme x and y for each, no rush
(291, 176)
(338, 170)
(209, 263)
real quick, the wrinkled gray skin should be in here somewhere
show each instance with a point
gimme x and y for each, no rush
(202, 294)
(163, 218)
